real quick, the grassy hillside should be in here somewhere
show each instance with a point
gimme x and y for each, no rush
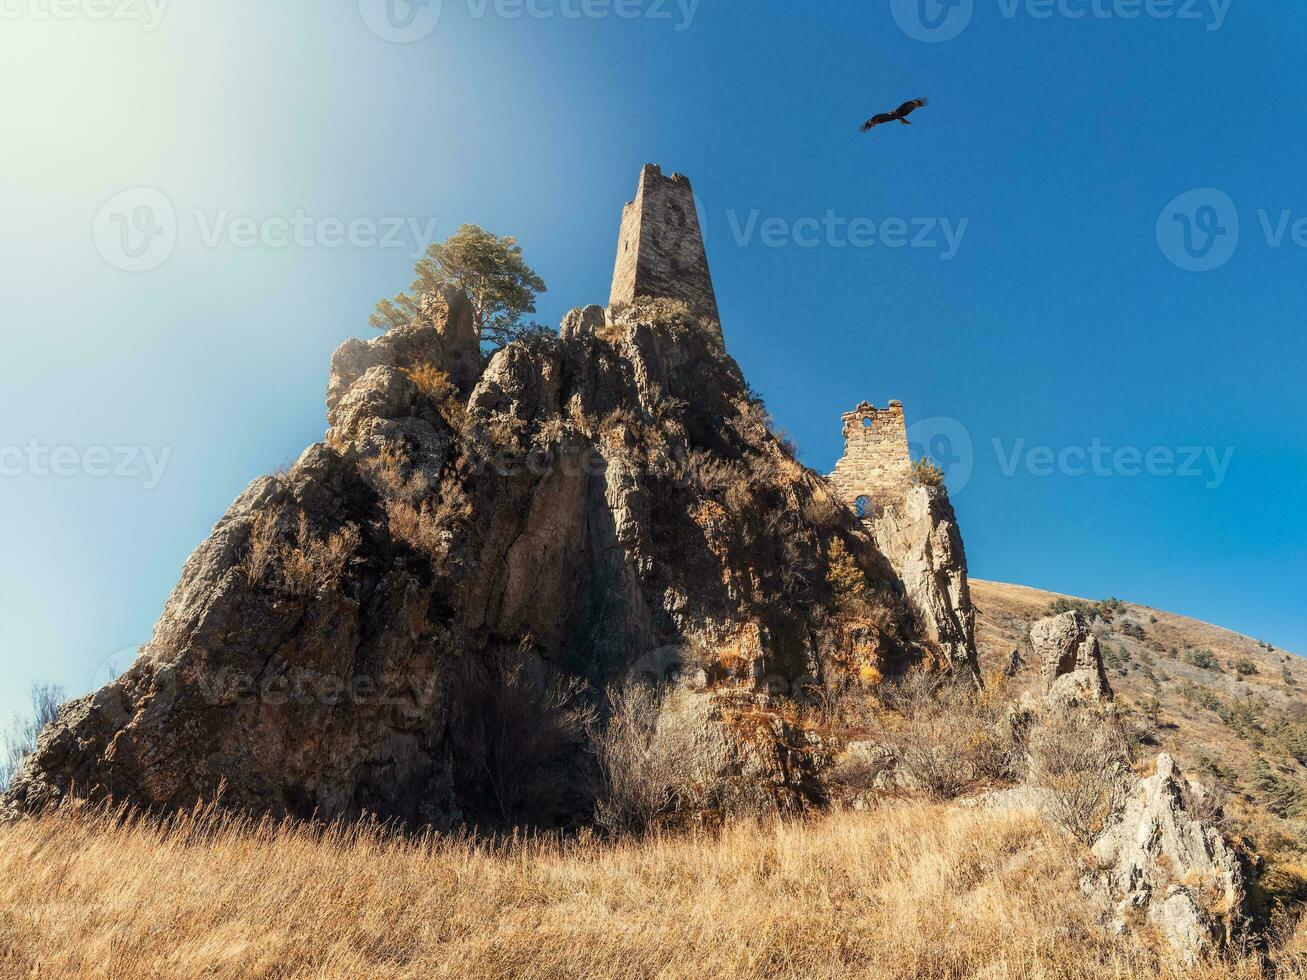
(907, 889)
(1231, 709)
(902, 887)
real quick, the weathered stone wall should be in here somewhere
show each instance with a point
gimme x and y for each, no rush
(660, 250)
(876, 464)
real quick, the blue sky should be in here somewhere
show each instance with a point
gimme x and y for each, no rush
(292, 157)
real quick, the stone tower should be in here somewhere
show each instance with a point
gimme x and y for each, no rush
(876, 469)
(660, 249)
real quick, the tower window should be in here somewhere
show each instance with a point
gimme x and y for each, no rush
(863, 507)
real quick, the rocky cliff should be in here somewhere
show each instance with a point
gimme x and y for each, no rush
(470, 553)
(424, 616)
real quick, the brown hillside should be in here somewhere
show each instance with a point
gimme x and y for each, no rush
(1230, 708)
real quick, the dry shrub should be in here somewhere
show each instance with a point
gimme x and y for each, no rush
(925, 472)
(711, 474)
(663, 755)
(946, 738)
(550, 433)
(637, 786)
(262, 546)
(305, 565)
(436, 386)
(430, 526)
(849, 590)
(1080, 755)
(415, 526)
(394, 475)
(432, 382)
(310, 565)
(822, 509)
(661, 310)
(505, 432)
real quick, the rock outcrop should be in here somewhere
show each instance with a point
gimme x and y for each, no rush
(1071, 661)
(919, 535)
(1160, 863)
(466, 544)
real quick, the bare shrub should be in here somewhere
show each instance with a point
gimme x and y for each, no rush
(822, 509)
(864, 766)
(1204, 802)
(636, 776)
(394, 475)
(550, 433)
(946, 738)
(654, 760)
(711, 474)
(1081, 756)
(522, 726)
(19, 741)
(505, 432)
(310, 565)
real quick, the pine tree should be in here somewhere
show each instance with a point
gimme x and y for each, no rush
(490, 269)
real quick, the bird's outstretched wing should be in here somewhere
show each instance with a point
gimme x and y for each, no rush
(875, 121)
(908, 107)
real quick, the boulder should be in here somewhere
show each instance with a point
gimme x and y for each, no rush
(1071, 661)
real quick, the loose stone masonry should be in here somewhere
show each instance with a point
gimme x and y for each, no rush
(660, 250)
(876, 469)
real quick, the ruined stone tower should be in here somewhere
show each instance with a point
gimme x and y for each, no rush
(660, 250)
(876, 468)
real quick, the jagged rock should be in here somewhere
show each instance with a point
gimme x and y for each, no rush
(1071, 661)
(583, 500)
(920, 537)
(444, 335)
(1158, 861)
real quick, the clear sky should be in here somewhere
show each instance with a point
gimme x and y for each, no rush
(202, 201)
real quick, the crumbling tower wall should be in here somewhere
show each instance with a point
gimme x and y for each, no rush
(660, 251)
(876, 469)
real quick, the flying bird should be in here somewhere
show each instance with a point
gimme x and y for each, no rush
(901, 114)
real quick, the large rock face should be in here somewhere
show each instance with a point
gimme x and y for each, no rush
(1070, 658)
(1157, 860)
(397, 624)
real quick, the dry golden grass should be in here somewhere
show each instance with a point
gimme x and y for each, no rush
(906, 890)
